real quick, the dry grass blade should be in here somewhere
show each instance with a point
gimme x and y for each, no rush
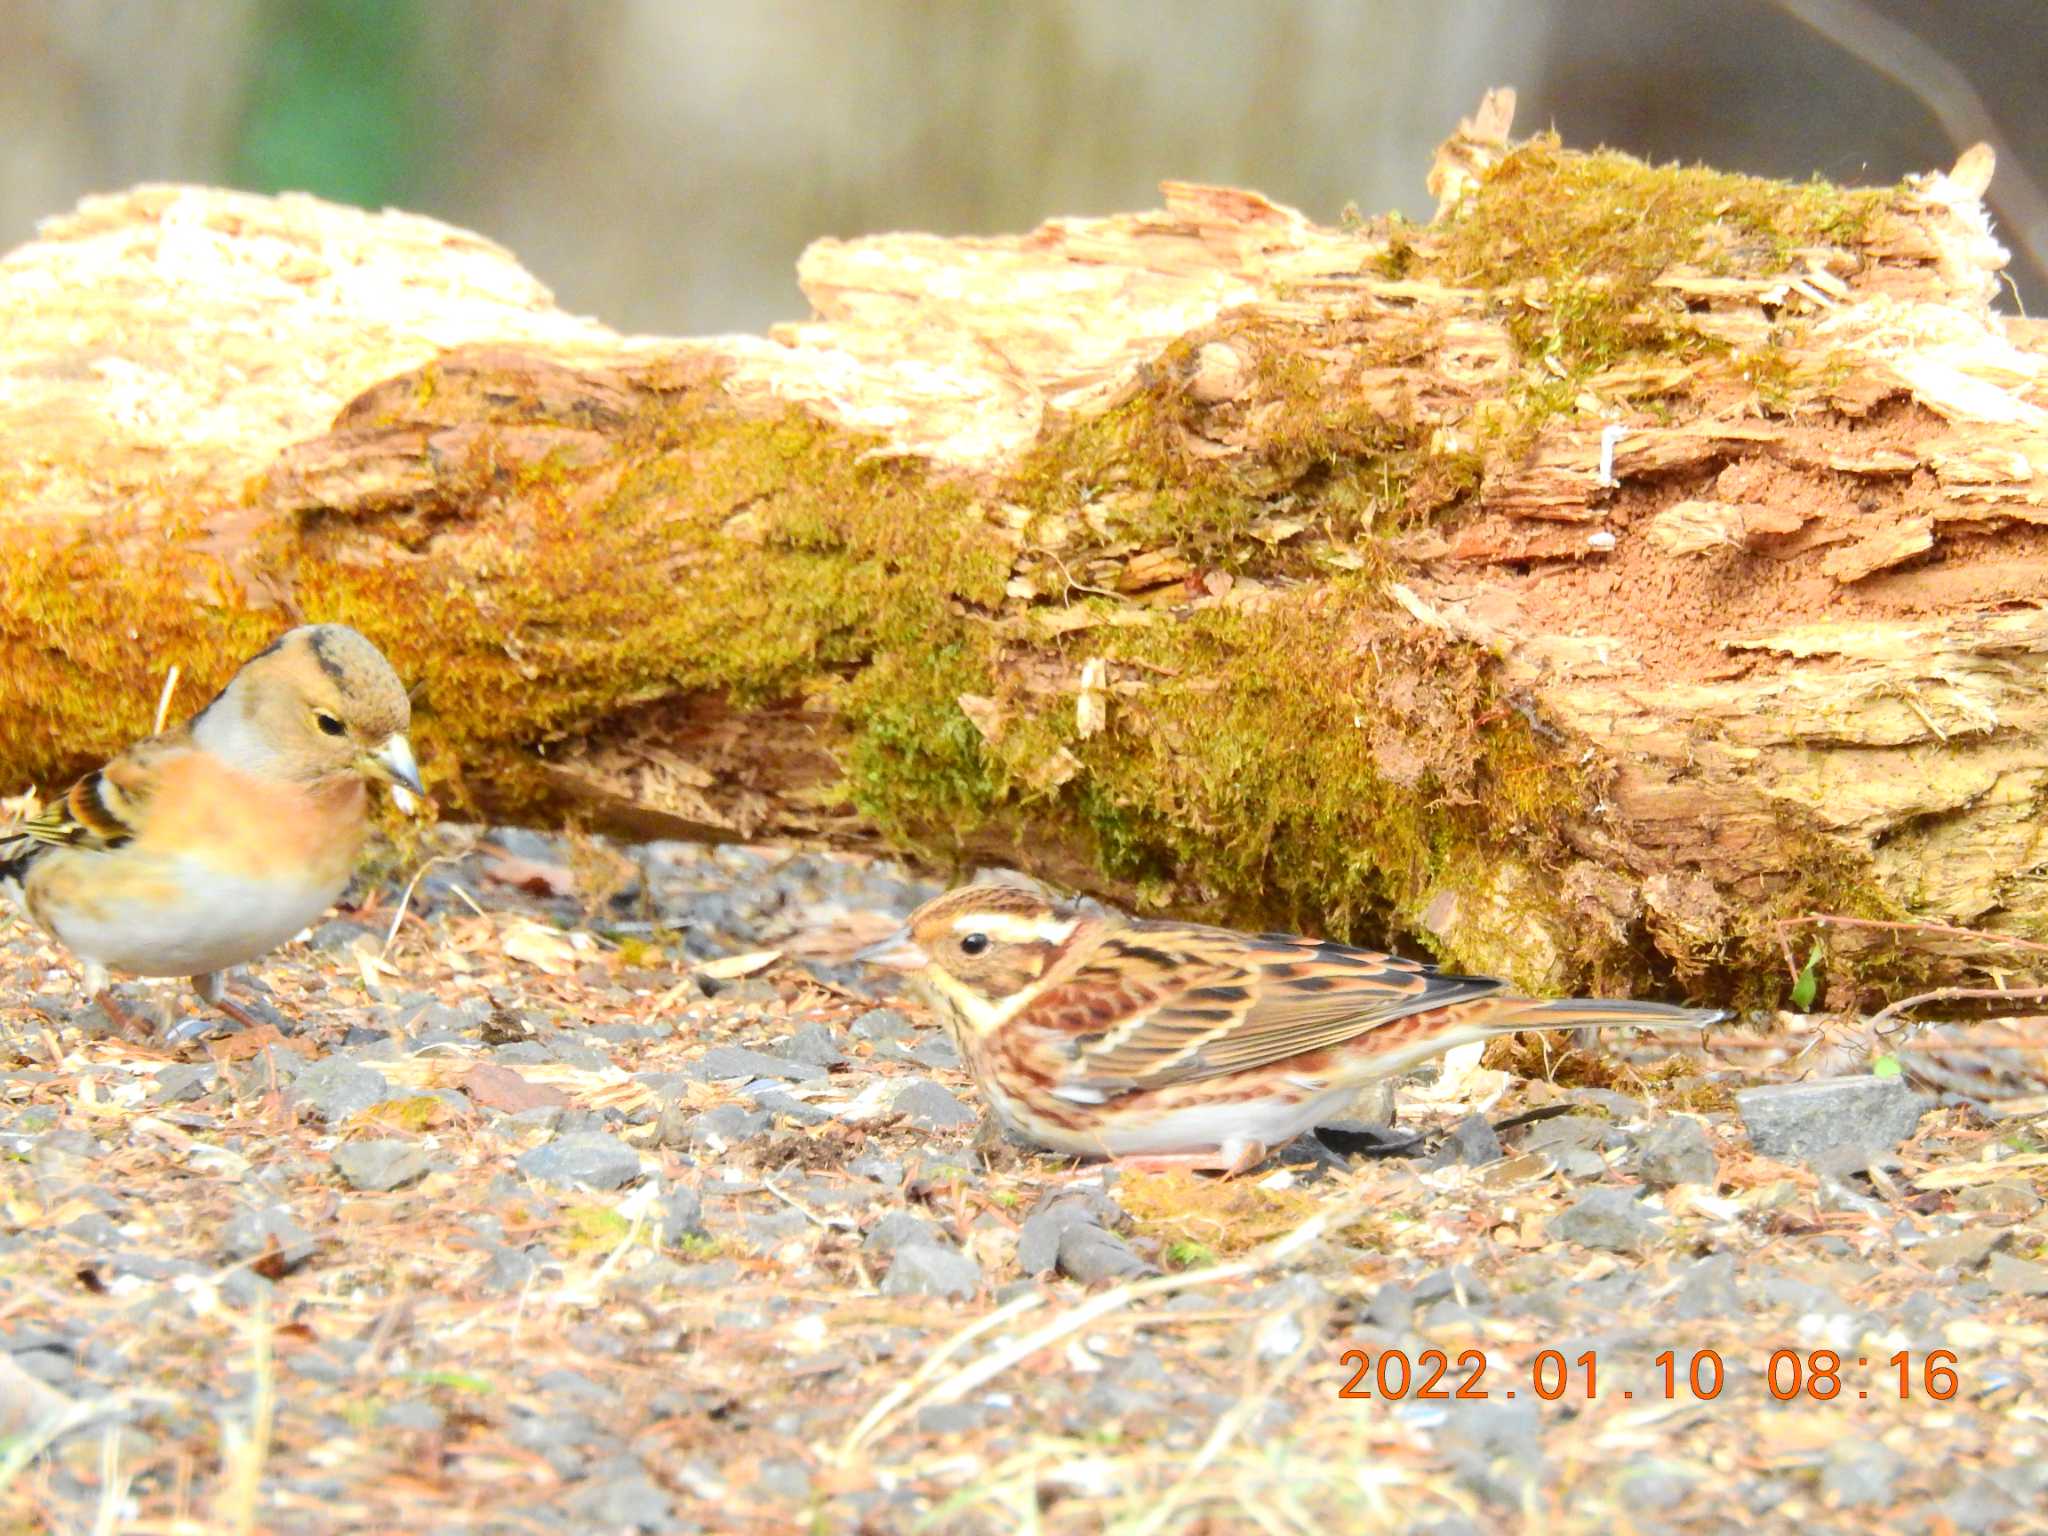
(246, 1448)
(991, 1365)
(1228, 1427)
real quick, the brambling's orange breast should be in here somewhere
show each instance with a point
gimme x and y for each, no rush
(253, 828)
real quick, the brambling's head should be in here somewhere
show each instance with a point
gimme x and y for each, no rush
(979, 945)
(321, 703)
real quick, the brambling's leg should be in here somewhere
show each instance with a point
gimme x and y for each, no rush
(208, 986)
(1237, 1155)
(126, 1022)
(99, 988)
(212, 988)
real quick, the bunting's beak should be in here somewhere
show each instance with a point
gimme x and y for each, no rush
(898, 952)
(393, 763)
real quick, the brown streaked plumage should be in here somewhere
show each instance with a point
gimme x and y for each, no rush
(208, 845)
(1100, 1035)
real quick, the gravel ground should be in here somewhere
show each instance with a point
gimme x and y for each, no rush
(607, 1196)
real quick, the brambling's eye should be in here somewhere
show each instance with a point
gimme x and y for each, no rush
(328, 723)
(974, 944)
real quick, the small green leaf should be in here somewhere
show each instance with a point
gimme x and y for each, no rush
(1885, 1066)
(1807, 986)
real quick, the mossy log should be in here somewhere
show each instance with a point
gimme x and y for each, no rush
(1581, 584)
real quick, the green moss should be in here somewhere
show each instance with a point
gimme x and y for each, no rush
(1405, 774)
(1575, 243)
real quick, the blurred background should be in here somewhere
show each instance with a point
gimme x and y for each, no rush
(660, 163)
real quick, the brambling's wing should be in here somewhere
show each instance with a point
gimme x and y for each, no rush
(1156, 1004)
(101, 811)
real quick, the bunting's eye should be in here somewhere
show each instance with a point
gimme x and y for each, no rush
(974, 944)
(328, 723)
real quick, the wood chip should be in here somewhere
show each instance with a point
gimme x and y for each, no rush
(733, 967)
(501, 1088)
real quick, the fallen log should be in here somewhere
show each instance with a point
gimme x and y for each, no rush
(1582, 584)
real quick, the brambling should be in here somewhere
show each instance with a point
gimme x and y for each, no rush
(1175, 1044)
(206, 846)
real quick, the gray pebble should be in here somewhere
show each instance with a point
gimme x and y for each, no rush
(424, 1417)
(946, 1419)
(249, 1233)
(1859, 1472)
(896, 1229)
(1458, 1280)
(336, 1088)
(1708, 1290)
(935, 1051)
(1562, 1133)
(881, 1024)
(2016, 1277)
(1581, 1163)
(722, 1127)
(184, 1080)
(1038, 1240)
(786, 1478)
(1607, 1218)
(1392, 1308)
(930, 1107)
(773, 1101)
(1655, 1484)
(587, 1159)
(1849, 1118)
(633, 1502)
(382, 1164)
(1089, 1254)
(583, 1057)
(1472, 1142)
(1773, 1288)
(920, 1269)
(723, 1061)
(1676, 1150)
(336, 936)
(814, 1044)
(680, 1217)
(882, 1170)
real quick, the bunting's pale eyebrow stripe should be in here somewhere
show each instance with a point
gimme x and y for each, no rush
(1007, 928)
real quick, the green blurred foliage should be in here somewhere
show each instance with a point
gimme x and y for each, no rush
(336, 101)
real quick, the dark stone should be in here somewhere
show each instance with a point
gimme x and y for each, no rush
(898, 1228)
(590, 1160)
(721, 1127)
(930, 1108)
(249, 1234)
(920, 1269)
(184, 1080)
(1708, 1290)
(1472, 1142)
(814, 1043)
(737, 1061)
(1676, 1150)
(1860, 1472)
(1844, 1120)
(336, 1088)
(1089, 1254)
(881, 1024)
(1038, 1240)
(1607, 1218)
(383, 1164)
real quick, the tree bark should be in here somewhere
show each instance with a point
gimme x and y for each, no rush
(1584, 584)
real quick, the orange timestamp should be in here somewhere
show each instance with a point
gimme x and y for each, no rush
(1434, 1376)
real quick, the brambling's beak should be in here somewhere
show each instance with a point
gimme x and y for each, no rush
(393, 764)
(898, 952)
